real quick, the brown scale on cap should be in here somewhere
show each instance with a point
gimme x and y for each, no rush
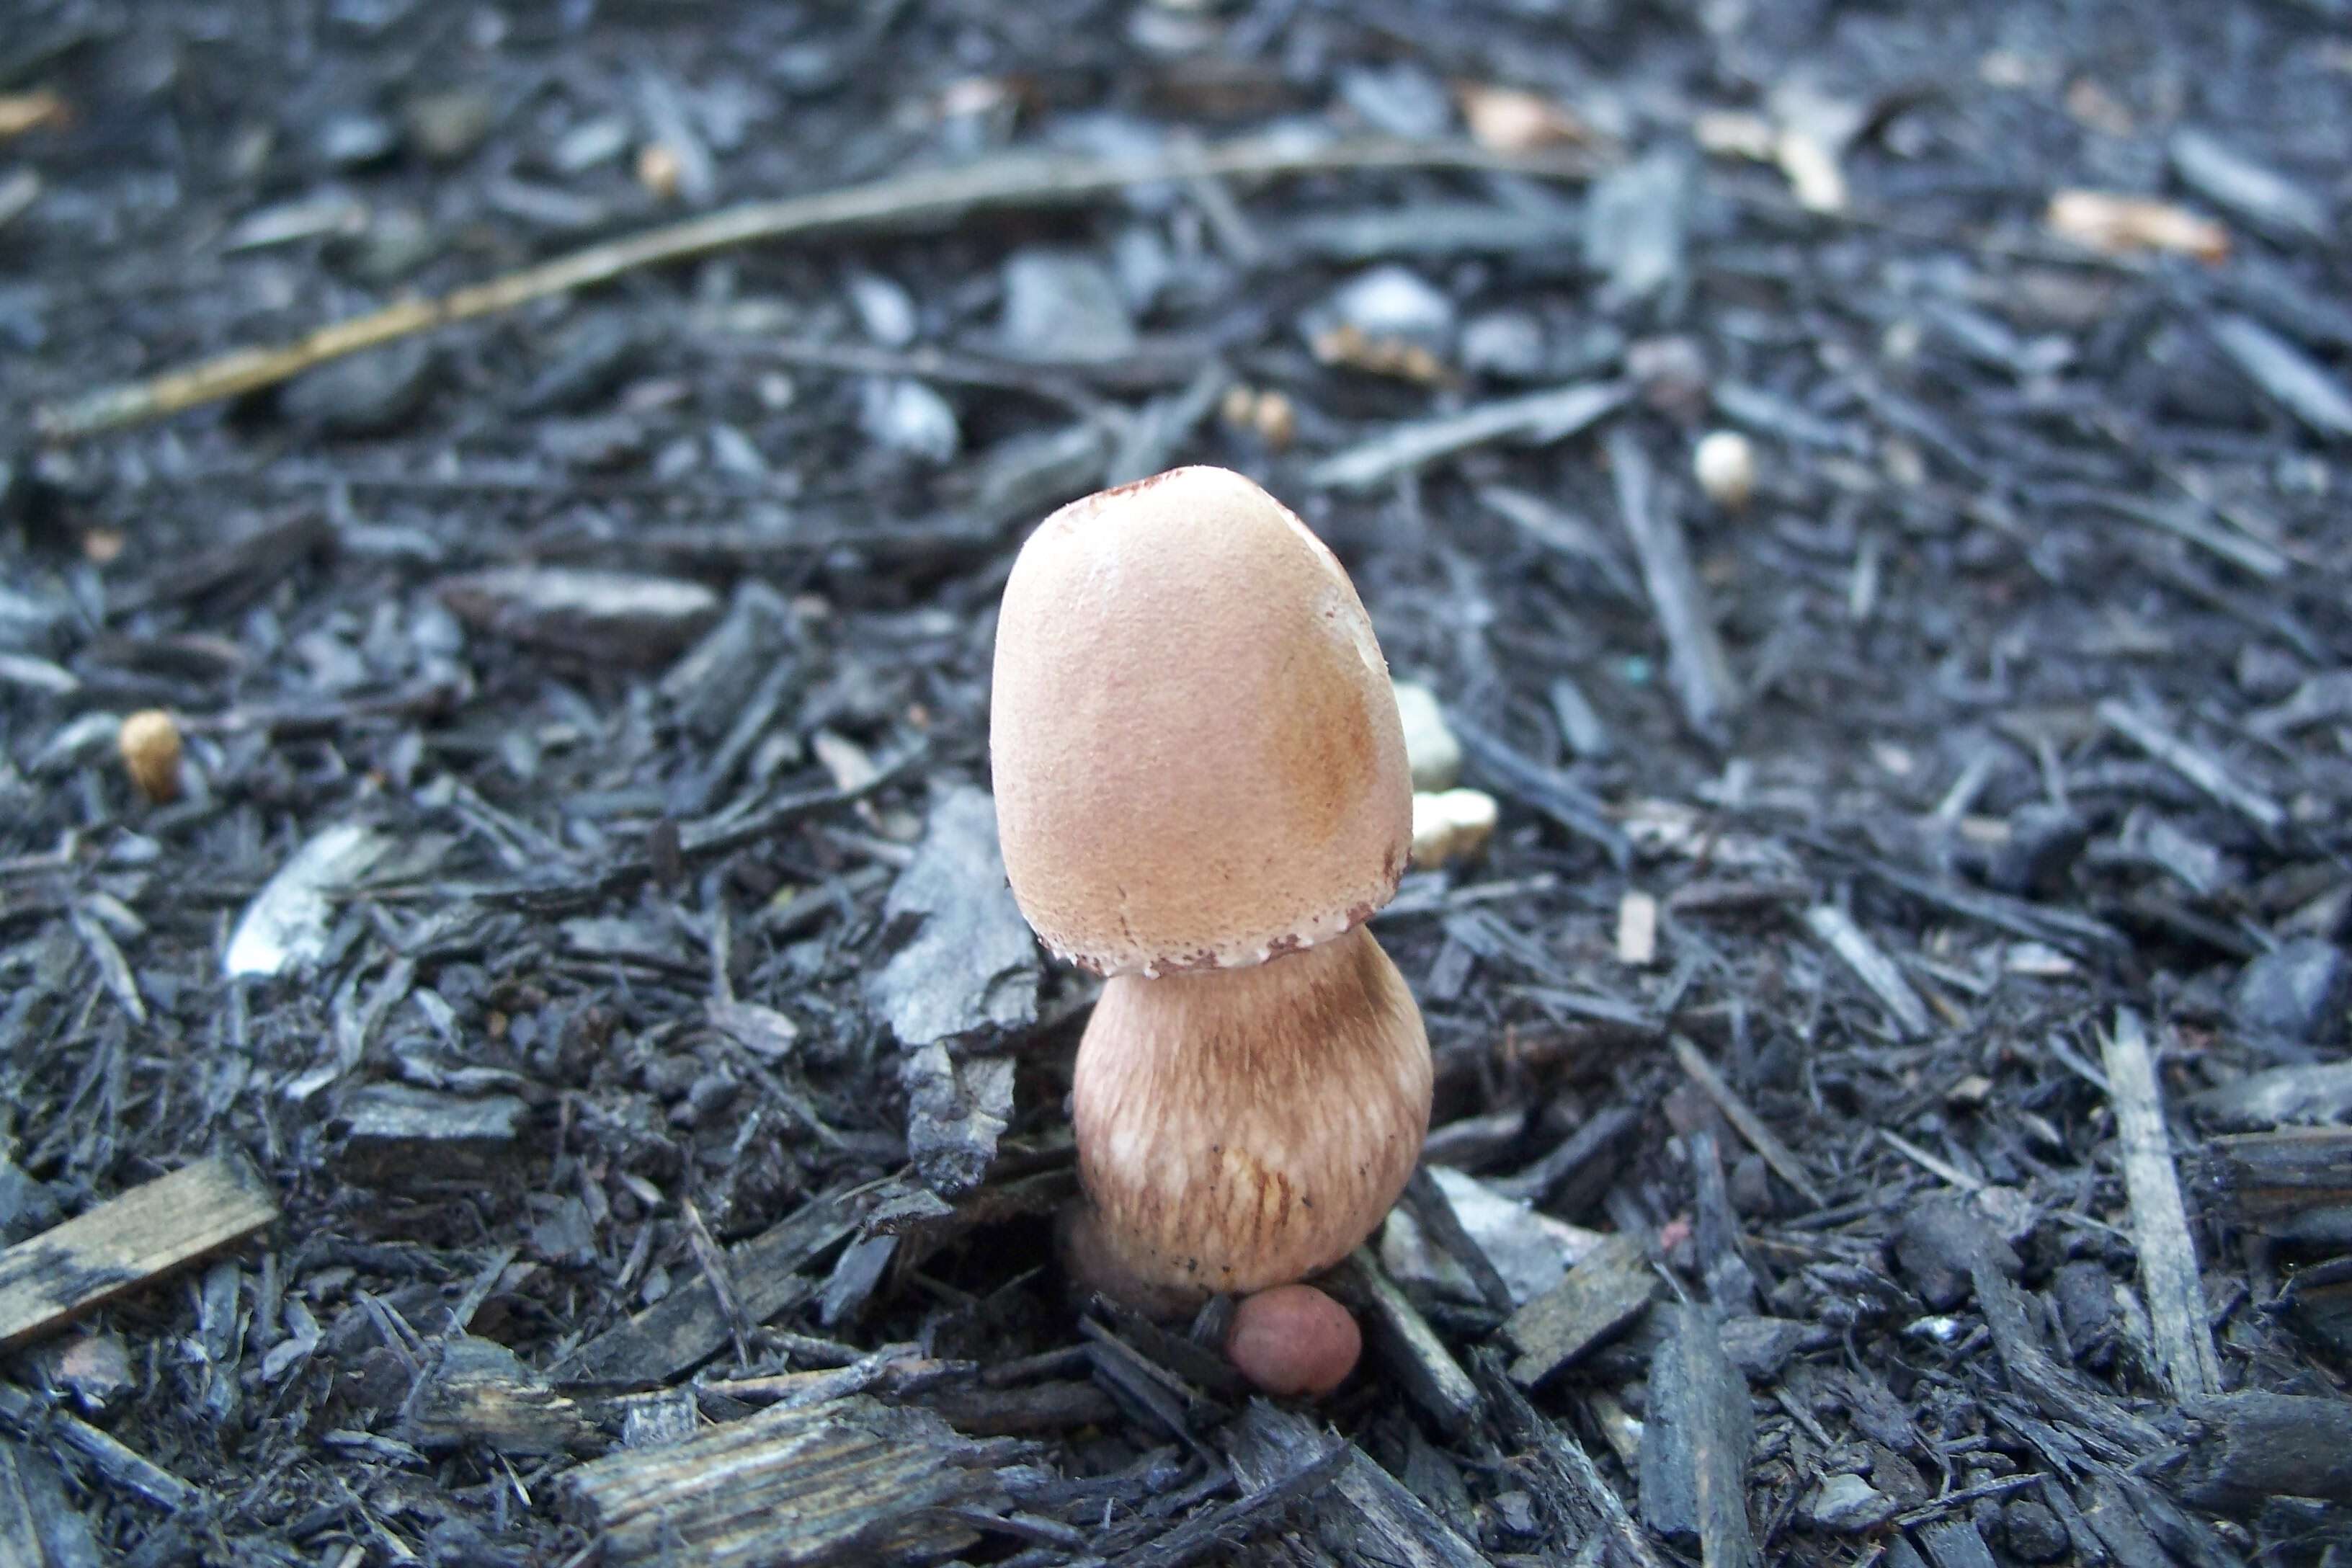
(1199, 761)
(1203, 793)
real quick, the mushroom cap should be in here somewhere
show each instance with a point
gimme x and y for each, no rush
(149, 743)
(1197, 759)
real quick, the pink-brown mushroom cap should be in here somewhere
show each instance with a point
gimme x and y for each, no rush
(1198, 758)
(1294, 1341)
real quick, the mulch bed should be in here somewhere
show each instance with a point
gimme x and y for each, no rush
(563, 1078)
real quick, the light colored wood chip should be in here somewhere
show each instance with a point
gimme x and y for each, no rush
(2115, 226)
(125, 1242)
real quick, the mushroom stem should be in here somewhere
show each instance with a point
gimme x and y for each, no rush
(1245, 1128)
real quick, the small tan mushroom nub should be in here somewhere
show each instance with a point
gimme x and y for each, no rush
(1197, 759)
(149, 743)
(1294, 1339)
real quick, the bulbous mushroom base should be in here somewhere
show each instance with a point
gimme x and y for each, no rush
(1293, 1341)
(1243, 1128)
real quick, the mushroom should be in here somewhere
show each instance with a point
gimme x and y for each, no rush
(1294, 1339)
(1724, 462)
(149, 743)
(1203, 795)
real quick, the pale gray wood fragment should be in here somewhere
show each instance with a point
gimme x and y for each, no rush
(846, 1481)
(1607, 1289)
(126, 1241)
(2170, 1277)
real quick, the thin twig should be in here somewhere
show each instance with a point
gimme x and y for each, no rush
(1936, 1508)
(1563, 1469)
(722, 1287)
(1943, 1169)
(130, 1470)
(1700, 670)
(697, 843)
(1229, 1523)
(1836, 930)
(1538, 418)
(1017, 180)
(1750, 1126)
(2200, 768)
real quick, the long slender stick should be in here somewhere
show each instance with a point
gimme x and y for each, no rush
(1019, 180)
(1777, 1154)
(2167, 1253)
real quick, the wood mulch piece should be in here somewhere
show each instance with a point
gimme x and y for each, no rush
(557, 1075)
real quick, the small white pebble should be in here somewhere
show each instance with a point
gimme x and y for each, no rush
(1813, 170)
(906, 415)
(1451, 825)
(1637, 929)
(2037, 958)
(1725, 463)
(1430, 748)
